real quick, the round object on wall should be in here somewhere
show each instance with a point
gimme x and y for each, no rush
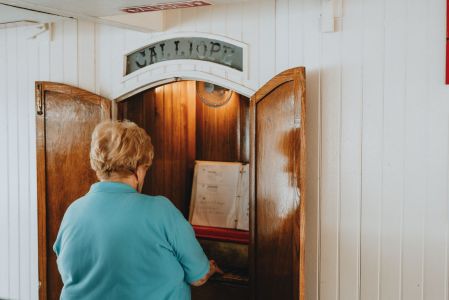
(212, 94)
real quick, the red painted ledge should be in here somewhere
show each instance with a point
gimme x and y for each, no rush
(222, 234)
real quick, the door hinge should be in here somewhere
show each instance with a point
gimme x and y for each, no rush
(39, 104)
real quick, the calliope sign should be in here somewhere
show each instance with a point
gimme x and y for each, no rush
(196, 48)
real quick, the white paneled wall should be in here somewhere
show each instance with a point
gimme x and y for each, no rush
(378, 132)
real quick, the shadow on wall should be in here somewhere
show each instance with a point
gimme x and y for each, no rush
(313, 136)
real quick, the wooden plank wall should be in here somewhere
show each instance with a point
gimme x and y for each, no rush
(378, 132)
(22, 62)
(184, 129)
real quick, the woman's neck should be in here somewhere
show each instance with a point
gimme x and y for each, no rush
(131, 181)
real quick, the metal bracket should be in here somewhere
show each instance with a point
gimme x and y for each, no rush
(331, 10)
(41, 29)
(39, 100)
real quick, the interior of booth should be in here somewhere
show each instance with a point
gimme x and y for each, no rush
(185, 129)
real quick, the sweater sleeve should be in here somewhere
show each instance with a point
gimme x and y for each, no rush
(185, 245)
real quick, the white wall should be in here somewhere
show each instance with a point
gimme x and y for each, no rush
(378, 131)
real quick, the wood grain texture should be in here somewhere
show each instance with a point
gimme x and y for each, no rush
(63, 141)
(322, 56)
(219, 291)
(278, 174)
(166, 114)
(183, 130)
(222, 132)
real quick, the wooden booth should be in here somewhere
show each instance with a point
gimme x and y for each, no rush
(266, 131)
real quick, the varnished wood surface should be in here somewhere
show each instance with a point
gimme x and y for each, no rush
(166, 114)
(220, 291)
(183, 130)
(277, 174)
(277, 181)
(64, 174)
(228, 255)
(222, 132)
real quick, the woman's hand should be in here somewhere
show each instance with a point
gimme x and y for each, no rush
(213, 268)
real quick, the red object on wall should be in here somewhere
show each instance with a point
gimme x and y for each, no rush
(222, 234)
(164, 6)
(447, 44)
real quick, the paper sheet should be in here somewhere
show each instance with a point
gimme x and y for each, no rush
(214, 194)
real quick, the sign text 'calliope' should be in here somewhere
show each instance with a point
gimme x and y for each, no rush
(196, 48)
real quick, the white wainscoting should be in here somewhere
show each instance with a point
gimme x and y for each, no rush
(378, 132)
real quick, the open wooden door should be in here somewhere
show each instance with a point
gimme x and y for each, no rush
(65, 119)
(277, 187)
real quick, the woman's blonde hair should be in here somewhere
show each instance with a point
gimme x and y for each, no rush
(118, 148)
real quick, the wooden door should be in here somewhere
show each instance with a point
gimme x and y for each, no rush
(65, 119)
(277, 187)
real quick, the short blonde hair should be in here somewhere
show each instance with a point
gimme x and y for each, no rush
(118, 148)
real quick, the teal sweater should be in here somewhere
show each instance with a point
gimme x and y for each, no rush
(115, 243)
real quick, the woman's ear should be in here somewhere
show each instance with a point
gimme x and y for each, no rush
(141, 172)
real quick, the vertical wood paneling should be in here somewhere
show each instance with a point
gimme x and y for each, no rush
(218, 130)
(282, 41)
(436, 224)
(416, 133)
(377, 126)
(103, 57)
(393, 151)
(44, 59)
(312, 60)
(86, 56)
(4, 199)
(234, 20)
(251, 37)
(172, 20)
(188, 19)
(13, 174)
(134, 40)
(372, 146)
(57, 53)
(204, 17)
(297, 22)
(267, 36)
(330, 90)
(218, 17)
(23, 170)
(351, 145)
(32, 76)
(116, 38)
(70, 49)
(218, 26)
(164, 115)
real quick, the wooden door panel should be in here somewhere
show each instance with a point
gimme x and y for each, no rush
(277, 161)
(64, 127)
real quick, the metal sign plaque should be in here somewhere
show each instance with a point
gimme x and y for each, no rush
(197, 48)
(164, 6)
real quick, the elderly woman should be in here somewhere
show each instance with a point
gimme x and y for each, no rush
(116, 243)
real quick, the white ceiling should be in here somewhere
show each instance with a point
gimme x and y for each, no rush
(94, 8)
(19, 12)
(10, 15)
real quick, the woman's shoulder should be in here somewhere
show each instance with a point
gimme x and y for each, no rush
(158, 201)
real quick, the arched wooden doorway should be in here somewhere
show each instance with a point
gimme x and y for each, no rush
(273, 139)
